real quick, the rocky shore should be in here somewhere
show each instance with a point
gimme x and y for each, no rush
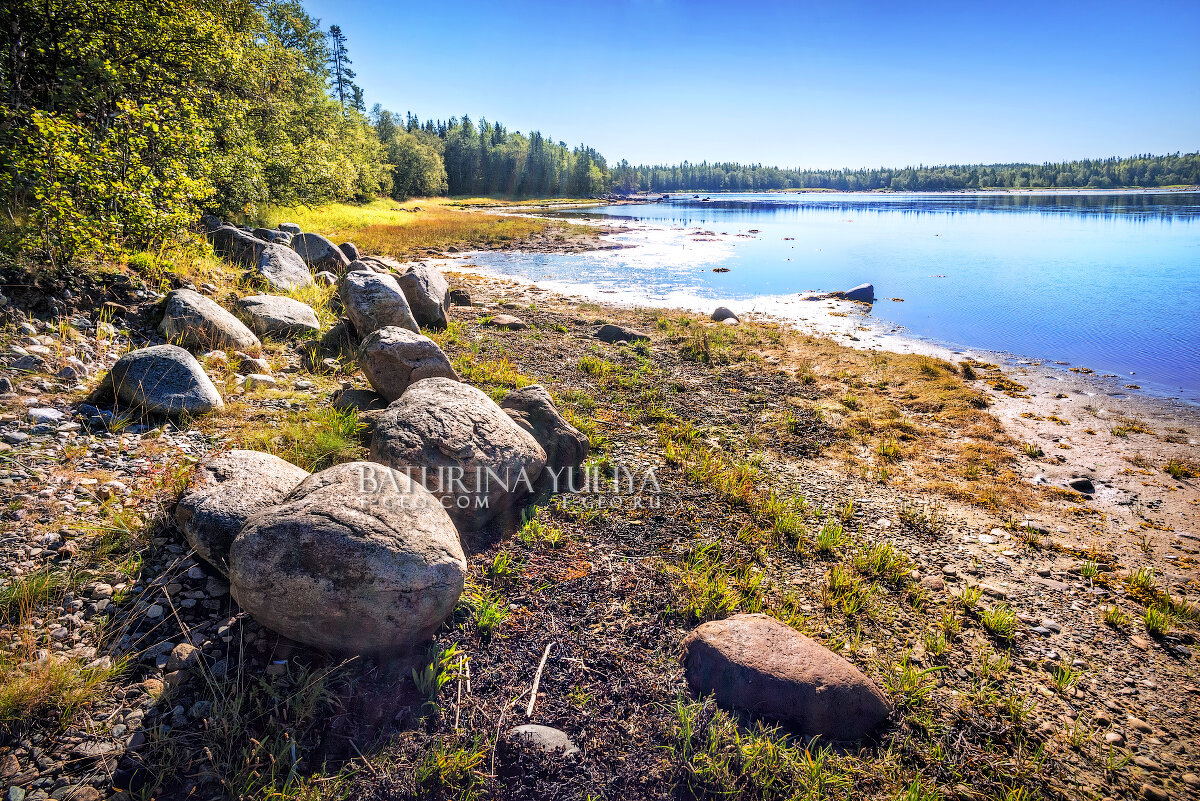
(194, 605)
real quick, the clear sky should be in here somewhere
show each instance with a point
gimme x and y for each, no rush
(796, 84)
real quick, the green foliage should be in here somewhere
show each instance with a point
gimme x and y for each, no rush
(121, 121)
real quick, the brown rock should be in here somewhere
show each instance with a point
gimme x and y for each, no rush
(394, 358)
(183, 656)
(757, 664)
(507, 321)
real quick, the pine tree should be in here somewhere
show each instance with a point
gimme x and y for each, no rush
(341, 76)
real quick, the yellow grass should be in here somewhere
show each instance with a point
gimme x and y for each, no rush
(391, 228)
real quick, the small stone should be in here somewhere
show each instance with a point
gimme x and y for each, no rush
(546, 739)
(183, 656)
(1050, 624)
(1191, 779)
(257, 380)
(155, 611)
(508, 322)
(1152, 792)
(1140, 725)
(1143, 761)
(45, 415)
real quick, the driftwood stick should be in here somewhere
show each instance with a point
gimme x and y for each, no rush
(537, 679)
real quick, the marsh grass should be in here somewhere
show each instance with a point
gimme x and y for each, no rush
(389, 228)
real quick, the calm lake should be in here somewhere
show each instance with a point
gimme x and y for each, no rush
(1108, 281)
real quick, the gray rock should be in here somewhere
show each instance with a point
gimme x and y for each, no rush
(45, 415)
(225, 492)
(319, 253)
(272, 235)
(357, 559)
(373, 301)
(617, 333)
(290, 228)
(450, 435)
(163, 379)
(757, 664)
(566, 447)
(281, 268)
(460, 297)
(326, 278)
(721, 314)
(393, 358)
(864, 293)
(359, 400)
(350, 249)
(545, 739)
(210, 223)
(507, 321)
(427, 292)
(280, 316)
(235, 245)
(1082, 485)
(194, 321)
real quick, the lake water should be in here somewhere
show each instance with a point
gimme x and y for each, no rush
(1108, 281)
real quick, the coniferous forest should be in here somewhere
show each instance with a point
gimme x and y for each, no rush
(121, 122)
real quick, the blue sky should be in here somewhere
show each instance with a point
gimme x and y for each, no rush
(829, 84)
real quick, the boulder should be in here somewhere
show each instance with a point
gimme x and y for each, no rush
(319, 253)
(566, 447)
(460, 297)
(757, 664)
(235, 245)
(356, 399)
(163, 379)
(225, 492)
(281, 268)
(618, 333)
(339, 341)
(350, 249)
(464, 448)
(277, 315)
(507, 321)
(356, 559)
(393, 358)
(864, 293)
(194, 321)
(722, 314)
(326, 278)
(210, 223)
(373, 301)
(273, 235)
(427, 292)
(290, 228)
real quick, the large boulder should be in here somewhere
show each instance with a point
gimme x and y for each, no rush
(357, 559)
(319, 253)
(428, 294)
(759, 665)
(278, 315)
(234, 244)
(194, 321)
(163, 379)
(225, 492)
(289, 228)
(566, 447)
(281, 268)
(373, 300)
(350, 249)
(462, 446)
(393, 358)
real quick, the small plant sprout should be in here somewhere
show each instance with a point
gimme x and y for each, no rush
(1032, 450)
(1089, 570)
(969, 597)
(1064, 675)
(1116, 617)
(1157, 621)
(1001, 622)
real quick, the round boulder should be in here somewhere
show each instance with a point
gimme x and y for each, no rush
(163, 379)
(281, 268)
(722, 314)
(462, 446)
(373, 300)
(393, 358)
(617, 333)
(759, 665)
(194, 321)
(278, 315)
(427, 292)
(565, 445)
(357, 559)
(225, 492)
(319, 253)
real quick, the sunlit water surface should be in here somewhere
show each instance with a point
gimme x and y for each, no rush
(1109, 281)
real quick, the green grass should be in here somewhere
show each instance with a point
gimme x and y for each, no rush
(25, 593)
(313, 439)
(1001, 622)
(882, 560)
(1116, 617)
(54, 686)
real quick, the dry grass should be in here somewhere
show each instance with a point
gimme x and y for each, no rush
(389, 228)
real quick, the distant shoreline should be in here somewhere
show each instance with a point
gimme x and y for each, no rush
(1056, 190)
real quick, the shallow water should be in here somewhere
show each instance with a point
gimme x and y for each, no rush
(1108, 281)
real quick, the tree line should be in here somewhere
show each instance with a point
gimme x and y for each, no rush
(1137, 171)
(121, 122)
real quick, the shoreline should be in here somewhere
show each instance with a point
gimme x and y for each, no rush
(844, 320)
